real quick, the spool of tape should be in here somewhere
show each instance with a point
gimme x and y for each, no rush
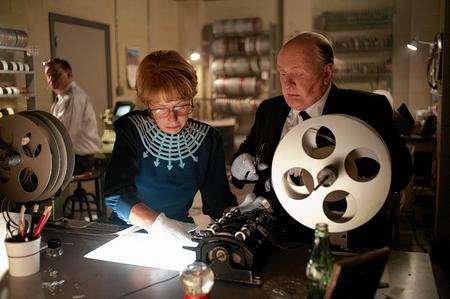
(343, 172)
(15, 67)
(20, 66)
(3, 65)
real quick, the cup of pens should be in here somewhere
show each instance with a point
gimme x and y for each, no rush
(24, 247)
(23, 257)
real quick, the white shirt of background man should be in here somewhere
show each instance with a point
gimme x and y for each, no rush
(74, 109)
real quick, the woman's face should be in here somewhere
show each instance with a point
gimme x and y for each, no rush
(171, 116)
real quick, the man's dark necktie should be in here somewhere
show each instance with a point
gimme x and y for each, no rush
(304, 115)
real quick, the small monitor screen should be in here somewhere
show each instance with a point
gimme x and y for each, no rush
(122, 110)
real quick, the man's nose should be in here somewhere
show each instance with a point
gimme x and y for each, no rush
(290, 81)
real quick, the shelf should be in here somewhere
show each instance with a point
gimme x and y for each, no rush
(12, 96)
(14, 48)
(362, 51)
(357, 77)
(17, 72)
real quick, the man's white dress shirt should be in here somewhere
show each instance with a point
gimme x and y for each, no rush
(314, 110)
(74, 109)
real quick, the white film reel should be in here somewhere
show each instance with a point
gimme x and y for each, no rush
(345, 172)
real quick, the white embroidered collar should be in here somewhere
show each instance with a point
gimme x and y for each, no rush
(173, 148)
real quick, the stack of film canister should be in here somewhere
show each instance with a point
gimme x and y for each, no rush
(13, 38)
(240, 53)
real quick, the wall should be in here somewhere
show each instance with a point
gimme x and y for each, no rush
(425, 23)
(133, 31)
(411, 18)
(168, 24)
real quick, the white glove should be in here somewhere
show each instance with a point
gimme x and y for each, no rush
(250, 202)
(176, 231)
(243, 167)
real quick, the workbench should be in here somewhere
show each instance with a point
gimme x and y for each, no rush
(408, 274)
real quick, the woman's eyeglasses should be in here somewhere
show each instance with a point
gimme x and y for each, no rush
(178, 110)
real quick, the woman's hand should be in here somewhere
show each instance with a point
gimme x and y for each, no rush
(176, 231)
(143, 216)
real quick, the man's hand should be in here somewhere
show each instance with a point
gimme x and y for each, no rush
(243, 167)
(176, 231)
(251, 202)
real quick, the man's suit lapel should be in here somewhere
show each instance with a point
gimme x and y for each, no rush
(277, 120)
(331, 104)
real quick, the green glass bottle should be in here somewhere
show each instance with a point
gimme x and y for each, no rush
(318, 269)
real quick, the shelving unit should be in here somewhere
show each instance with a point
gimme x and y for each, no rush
(241, 69)
(363, 47)
(6, 76)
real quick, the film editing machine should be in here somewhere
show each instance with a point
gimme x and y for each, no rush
(237, 245)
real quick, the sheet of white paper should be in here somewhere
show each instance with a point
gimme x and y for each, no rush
(141, 249)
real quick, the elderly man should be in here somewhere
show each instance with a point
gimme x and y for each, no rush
(305, 65)
(74, 109)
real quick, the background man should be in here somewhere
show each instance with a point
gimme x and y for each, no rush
(74, 109)
(305, 65)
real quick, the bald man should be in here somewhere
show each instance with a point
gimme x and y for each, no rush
(305, 66)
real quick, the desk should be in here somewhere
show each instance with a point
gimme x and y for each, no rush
(408, 274)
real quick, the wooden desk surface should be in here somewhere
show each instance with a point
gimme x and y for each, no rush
(409, 276)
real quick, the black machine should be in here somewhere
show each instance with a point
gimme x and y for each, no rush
(236, 245)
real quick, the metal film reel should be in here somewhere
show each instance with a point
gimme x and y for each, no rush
(67, 144)
(55, 153)
(343, 172)
(36, 156)
(25, 158)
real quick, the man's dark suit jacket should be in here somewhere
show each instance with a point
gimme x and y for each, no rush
(373, 109)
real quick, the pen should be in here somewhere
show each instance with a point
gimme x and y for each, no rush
(42, 221)
(22, 228)
(34, 220)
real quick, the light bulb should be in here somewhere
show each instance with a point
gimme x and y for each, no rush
(194, 56)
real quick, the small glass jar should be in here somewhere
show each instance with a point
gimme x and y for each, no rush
(54, 248)
(197, 280)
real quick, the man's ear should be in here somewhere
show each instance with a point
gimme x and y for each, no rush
(328, 73)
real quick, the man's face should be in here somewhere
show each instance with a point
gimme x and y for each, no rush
(303, 77)
(57, 78)
(171, 116)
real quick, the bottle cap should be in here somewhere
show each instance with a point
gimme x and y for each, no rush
(54, 243)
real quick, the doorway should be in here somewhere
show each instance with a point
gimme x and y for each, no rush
(85, 45)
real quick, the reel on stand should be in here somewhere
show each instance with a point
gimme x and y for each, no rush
(36, 156)
(344, 183)
(344, 178)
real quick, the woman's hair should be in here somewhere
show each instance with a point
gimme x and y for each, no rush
(162, 73)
